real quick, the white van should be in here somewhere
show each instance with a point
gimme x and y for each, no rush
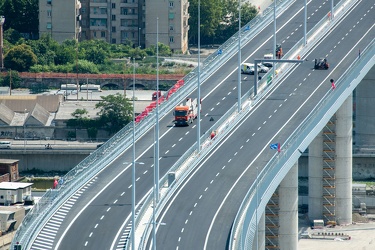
(247, 68)
(5, 144)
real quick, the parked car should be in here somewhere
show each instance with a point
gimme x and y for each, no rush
(262, 68)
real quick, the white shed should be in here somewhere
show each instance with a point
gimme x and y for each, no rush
(14, 192)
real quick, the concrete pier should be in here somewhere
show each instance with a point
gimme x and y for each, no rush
(288, 213)
(344, 162)
(315, 174)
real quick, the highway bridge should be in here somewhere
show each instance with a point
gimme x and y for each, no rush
(200, 215)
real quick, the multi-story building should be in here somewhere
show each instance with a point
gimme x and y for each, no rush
(172, 17)
(60, 19)
(118, 21)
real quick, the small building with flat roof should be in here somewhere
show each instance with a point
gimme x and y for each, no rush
(14, 192)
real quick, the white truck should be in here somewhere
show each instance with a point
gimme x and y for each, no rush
(186, 113)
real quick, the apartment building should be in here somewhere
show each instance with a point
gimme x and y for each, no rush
(172, 18)
(117, 21)
(60, 19)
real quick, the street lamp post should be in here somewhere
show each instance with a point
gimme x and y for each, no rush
(139, 37)
(2, 20)
(24, 135)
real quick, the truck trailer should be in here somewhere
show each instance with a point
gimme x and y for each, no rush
(184, 114)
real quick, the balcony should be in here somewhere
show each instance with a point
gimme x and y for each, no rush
(98, 5)
(98, 27)
(129, 5)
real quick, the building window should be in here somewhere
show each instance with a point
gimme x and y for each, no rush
(49, 1)
(114, 29)
(171, 39)
(114, 40)
(124, 11)
(49, 25)
(94, 33)
(113, 5)
(171, 15)
(171, 28)
(102, 34)
(83, 10)
(170, 4)
(124, 22)
(113, 17)
(2, 197)
(124, 34)
(49, 13)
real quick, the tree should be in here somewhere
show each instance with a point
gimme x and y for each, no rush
(212, 11)
(20, 58)
(11, 79)
(45, 49)
(115, 112)
(80, 118)
(220, 20)
(22, 15)
(12, 35)
(65, 55)
(229, 24)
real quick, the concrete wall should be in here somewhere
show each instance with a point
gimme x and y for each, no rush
(45, 160)
(120, 83)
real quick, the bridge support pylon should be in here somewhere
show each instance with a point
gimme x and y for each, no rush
(330, 169)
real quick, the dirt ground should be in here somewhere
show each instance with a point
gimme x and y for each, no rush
(361, 232)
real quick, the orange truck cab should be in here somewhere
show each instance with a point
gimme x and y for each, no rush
(185, 114)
